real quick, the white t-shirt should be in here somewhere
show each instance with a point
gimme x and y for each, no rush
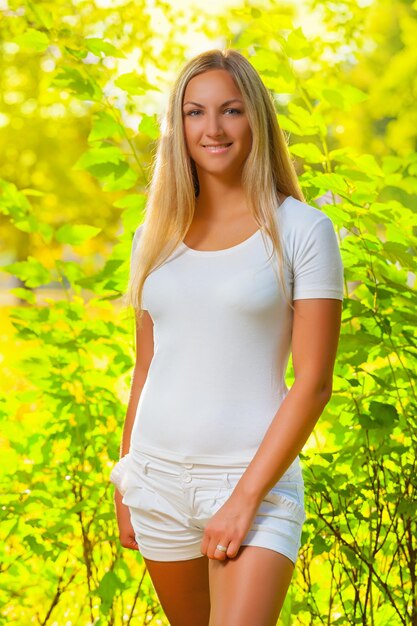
(222, 338)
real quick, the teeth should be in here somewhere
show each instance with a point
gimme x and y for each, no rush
(223, 145)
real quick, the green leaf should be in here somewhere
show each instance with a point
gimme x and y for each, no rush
(310, 122)
(34, 545)
(31, 272)
(30, 224)
(115, 177)
(134, 84)
(28, 191)
(76, 234)
(149, 126)
(104, 126)
(134, 205)
(308, 151)
(42, 15)
(108, 586)
(332, 182)
(286, 123)
(95, 156)
(76, 53)
(24, 294)
(368, 163)
(98, 46)
(384, 412)
(344, 96)
(396, 251)
(391, 163)
(297, 45)
(71, 270)
(32, 39)
(265, 60)
(328, 456)
(85, 87)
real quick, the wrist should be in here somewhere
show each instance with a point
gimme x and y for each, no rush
(250, 494)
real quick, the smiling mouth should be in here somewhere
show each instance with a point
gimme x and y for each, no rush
(217, 149)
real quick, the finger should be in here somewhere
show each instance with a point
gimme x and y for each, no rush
(204, 545)
(131, 543)
(211, 549)
(232, 549)
(220, 555)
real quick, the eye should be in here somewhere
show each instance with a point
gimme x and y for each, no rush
(190, 113)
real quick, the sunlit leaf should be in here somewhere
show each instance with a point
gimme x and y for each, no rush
(76, 234)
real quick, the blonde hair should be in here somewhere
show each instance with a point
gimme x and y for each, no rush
(173, 187)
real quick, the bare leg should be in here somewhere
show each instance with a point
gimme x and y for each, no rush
(249, 589)
(182, 588)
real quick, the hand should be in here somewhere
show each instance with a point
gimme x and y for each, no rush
(228, 527)
(127, 537)
(126, 532)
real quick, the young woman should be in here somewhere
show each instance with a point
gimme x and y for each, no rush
(230, 270)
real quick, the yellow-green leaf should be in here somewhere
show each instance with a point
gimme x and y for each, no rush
(76, 234)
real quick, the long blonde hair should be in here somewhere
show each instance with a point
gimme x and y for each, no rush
(173, 186)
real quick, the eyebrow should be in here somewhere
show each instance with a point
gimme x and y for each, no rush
(224, 103)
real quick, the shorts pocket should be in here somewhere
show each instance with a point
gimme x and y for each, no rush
(119, 475)
(142, 499)
(222, 495)
(288, 495)
(294, 472)
(207, 500)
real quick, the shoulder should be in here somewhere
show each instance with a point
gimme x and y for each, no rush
(134, 245)
(136, 235)
(138, 231)
(298, 218)
(306, 232)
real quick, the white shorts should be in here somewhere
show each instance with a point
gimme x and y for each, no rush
(170, 503)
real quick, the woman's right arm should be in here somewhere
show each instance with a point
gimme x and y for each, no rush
(144, 355)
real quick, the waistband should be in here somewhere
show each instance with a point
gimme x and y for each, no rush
(170, 459)
(197, 459)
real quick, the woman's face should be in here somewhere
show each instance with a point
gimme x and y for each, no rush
(213, 114)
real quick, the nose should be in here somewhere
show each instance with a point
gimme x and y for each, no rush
(213, 125)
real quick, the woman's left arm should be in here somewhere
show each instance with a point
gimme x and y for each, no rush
(315, 337)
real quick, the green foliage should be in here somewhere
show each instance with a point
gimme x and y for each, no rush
(67, 382)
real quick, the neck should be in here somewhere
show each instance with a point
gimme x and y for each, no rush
(221, 204)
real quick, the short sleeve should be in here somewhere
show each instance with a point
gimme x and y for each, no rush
(134, 247)
(317, 264)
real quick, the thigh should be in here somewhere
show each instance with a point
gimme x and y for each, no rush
(182, 588)
(250, 588)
